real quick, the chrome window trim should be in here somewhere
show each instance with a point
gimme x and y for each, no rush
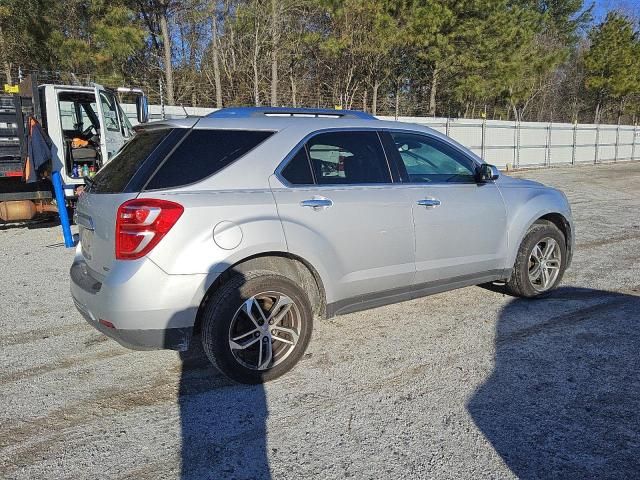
(302, 144)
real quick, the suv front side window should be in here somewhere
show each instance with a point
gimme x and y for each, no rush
(427, 159)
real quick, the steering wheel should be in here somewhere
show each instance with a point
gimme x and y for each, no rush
(87, 132)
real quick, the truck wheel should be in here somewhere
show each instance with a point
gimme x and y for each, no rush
(540, 262)
(256, 326)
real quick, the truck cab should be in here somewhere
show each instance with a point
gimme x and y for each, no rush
(86, 126)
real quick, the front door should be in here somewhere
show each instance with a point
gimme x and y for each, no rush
(341, 211)
(460, 224)
(111, 137)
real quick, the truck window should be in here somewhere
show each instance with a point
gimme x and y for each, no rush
(110, 112)
(68, 116)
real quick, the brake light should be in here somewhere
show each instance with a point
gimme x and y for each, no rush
(141, 224)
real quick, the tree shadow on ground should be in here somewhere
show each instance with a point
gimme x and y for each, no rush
(563, 400)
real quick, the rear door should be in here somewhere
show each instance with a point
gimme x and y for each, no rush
(340, 210)
(460, 224)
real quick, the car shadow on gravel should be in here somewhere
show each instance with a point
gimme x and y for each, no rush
(38, 223)
(223, 423)
(563, 400)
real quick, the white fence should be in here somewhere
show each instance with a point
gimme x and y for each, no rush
(502, 143)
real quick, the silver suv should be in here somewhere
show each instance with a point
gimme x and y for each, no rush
(245, 225)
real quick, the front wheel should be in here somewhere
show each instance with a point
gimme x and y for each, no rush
(540, 263)
(256, 326)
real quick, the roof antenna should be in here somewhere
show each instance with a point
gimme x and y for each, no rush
(186, 114)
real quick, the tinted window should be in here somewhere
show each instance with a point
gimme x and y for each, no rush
(348, 158)
(203, 153)
(298, 170)
(115, 175)
(428, 160)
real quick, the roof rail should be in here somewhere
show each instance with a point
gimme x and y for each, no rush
(247, 112)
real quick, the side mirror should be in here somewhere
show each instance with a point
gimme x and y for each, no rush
(142, 108)
(486, 173)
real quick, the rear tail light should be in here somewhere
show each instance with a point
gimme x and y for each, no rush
(141, 224)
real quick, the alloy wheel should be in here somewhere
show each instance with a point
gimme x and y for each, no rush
(544, 264)
(265, 330)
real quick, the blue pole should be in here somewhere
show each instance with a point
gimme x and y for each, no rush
(62, 209)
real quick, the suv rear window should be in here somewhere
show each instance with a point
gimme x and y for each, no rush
(115, 175)
(203, 153)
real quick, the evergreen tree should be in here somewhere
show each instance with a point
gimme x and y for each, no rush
(612, 63)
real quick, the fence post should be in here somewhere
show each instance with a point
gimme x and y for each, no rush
(615, 154)
(573, 148)
(547, 153)
(447, 127)
(484, 134)
(515, 144)
(597, 152)
(633, 144)
(518, 131)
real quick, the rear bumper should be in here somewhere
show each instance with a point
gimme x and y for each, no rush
(153, 339)
(148, 308)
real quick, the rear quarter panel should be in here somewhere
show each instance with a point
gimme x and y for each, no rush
(190, 246)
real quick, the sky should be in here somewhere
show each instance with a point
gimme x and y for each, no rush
(603, 6)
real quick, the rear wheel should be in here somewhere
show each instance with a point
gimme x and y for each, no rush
(540, 262)
(256, 326)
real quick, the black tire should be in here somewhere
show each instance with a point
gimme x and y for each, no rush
(218, 320)
(520, 284)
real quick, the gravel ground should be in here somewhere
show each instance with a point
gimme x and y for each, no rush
(465, 384)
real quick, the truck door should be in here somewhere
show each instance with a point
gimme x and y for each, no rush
(111, 137)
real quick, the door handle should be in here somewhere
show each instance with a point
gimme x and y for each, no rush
(317, 203)
(429, 202)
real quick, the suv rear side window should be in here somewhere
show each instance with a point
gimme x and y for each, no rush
(115, 175)
(348, 157)
(203, 153)
(298, 170)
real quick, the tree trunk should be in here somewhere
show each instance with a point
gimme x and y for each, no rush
(364, 99)
(5, 63)
(397, 101)
(433, 91)
(274, 54)
(216, 65)
(596, 118)
(516, 114)
(254, 63)
(293, 91)
(620, 109)
(374, 98)
(166, 46)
